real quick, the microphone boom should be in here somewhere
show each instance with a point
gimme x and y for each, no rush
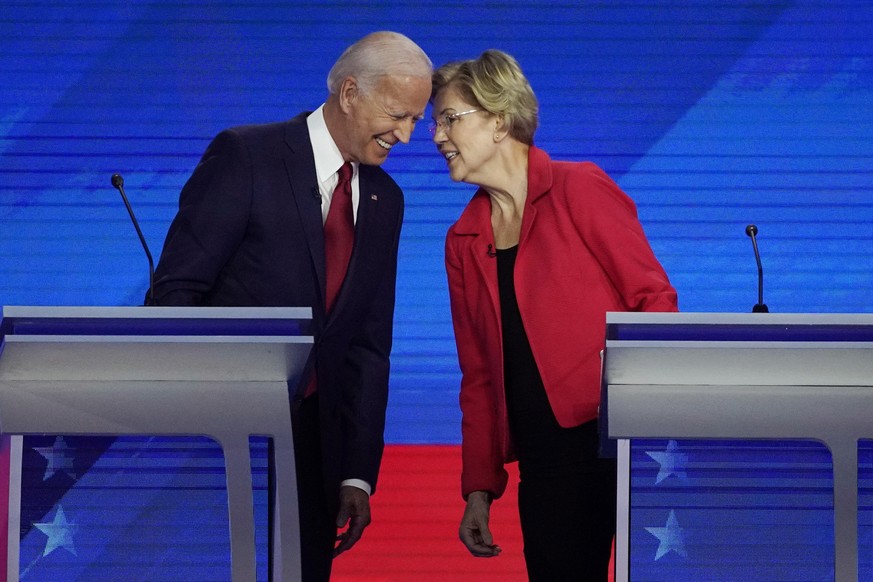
(760, 307)
(118, 183)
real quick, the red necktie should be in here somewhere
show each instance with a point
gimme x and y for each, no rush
(339, 238)
(339, 234)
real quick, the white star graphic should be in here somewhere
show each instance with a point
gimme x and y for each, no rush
(672, 462)
(60, 533)
(670, 537)
(59, 457)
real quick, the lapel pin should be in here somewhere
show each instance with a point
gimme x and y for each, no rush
(373, 197)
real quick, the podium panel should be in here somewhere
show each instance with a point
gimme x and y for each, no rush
(795, 385)
(219, 373)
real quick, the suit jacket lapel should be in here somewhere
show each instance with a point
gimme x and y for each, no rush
(300, 165)
(476, 221)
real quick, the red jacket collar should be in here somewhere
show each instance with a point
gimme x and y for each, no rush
(539, 182)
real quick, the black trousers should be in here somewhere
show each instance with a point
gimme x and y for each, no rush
(568, 522)
(317, 525)
(566, 495)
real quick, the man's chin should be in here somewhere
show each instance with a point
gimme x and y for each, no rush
(377, 156)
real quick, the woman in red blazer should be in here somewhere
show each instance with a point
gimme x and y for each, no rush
(542, 251)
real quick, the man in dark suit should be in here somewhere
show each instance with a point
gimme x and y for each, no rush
(254, 229)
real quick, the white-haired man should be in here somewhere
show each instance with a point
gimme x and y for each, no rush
(257, 227)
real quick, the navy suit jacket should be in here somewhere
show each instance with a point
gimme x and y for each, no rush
(249, 232)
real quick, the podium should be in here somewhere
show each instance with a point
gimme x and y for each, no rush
(217, 372)
(743, 376)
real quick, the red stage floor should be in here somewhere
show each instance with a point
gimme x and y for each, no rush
(414, 534)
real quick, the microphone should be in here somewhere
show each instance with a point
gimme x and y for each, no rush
(751, 231)
(491, 252)
(118, 182)
(316, 193)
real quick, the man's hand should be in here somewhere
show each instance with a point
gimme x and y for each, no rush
(354, 510)
(474, 530)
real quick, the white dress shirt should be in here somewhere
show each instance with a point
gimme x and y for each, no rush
(328, 161)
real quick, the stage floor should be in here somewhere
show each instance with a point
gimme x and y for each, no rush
(414, 534)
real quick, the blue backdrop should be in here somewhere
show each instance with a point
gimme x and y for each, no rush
(710, 114)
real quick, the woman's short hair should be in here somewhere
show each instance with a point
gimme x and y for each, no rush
(376, 55)
(494, 82)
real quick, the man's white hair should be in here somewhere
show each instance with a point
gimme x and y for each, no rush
(376, 55)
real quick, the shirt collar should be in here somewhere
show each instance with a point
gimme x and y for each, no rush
(328, 158)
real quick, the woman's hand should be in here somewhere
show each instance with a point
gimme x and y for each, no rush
(474, 530)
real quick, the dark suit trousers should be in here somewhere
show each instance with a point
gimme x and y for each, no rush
(317, 525)
(568, 523)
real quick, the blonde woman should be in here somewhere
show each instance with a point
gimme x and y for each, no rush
(539, 255)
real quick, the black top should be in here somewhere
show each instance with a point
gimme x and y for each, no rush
(541, 444)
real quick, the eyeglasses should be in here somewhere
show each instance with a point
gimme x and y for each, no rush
(445, 121)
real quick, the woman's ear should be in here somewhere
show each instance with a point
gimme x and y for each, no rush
(500, 127)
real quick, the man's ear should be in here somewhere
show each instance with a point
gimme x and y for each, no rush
(349, 93)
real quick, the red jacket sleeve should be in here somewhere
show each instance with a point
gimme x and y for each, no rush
(481, 422)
